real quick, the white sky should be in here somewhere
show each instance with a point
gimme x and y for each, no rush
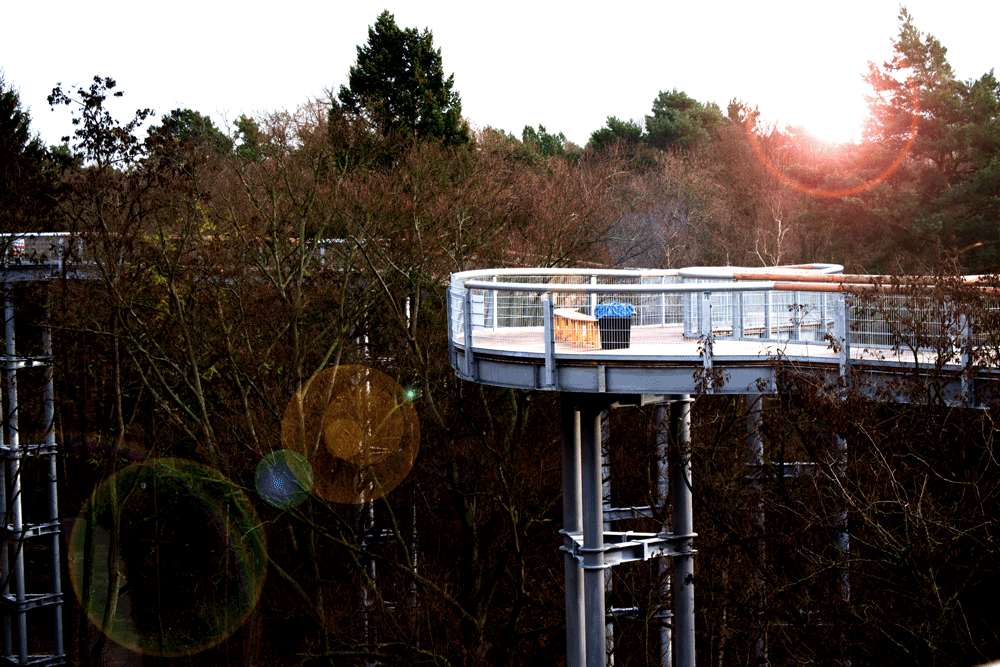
(520, 63)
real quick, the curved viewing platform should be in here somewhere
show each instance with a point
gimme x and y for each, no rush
(718, 329)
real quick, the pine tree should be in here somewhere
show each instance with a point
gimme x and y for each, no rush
(25, 186)
(399, 85)
(680, 122)
(950, 130)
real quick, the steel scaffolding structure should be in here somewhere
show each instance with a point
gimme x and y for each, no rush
(35, 598)
(20, 534)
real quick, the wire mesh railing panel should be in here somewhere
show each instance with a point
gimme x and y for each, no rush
(754, 318)
(502, 317)
(723, 304)
(515, 319)
(984, 328)
(903, 322)
(457, 315)
(783, 314)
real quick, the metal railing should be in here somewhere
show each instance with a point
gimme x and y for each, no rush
(509, 307)
(552, 311)
(35, 252)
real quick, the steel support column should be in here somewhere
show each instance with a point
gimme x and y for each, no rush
(593, 532)
(609, 630)
(841, 535)
(663, 499)
(572, 523)
(683, 579)
(755, 465)
(16, 573)
(842, 538)
(52, 479)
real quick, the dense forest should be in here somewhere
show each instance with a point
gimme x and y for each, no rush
(228, 268)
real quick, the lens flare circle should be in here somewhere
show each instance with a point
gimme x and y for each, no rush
(166, 558)
(284, 479)
(358, 430)
(785, 179)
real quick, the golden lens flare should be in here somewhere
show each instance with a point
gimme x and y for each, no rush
(166, 557)
(358, 431)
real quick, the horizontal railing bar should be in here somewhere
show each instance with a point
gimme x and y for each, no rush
(730, 272)
(589, 288)
(645, 273)
(851, 279)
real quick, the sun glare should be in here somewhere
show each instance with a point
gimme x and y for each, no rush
(834, 127)
(753, 135)
(835, 121)
(829, 109)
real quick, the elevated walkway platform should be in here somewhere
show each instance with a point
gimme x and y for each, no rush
(716, 330)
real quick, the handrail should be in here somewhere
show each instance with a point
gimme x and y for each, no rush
(37, 250)
(585, 288)
(775, 273)
(811, 304)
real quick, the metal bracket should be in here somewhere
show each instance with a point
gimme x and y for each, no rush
(631, 547)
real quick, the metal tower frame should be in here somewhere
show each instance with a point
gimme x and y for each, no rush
(590, 550)
(15, 600)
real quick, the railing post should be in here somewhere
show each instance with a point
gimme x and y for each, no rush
(797, 314)
(737, 302)
(706, 314)
(496, 303)
(706, 351)
(549, 379)
(822, 315)
(843, 334)
(965, 358)
(467, 330)
(663, 301)
(690, 313)
(768, 302)
(451, 326)
(593, 295)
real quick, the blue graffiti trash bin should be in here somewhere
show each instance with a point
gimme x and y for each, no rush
(614, 321)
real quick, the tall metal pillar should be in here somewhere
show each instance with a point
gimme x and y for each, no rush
(8, 646)
(842, 538)
(755, 464)
(15, 574)
(593, 532)
(683, 579)
(609, 629)
(367, 586)
(662, 498)
(51, 482)
(572, 523)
